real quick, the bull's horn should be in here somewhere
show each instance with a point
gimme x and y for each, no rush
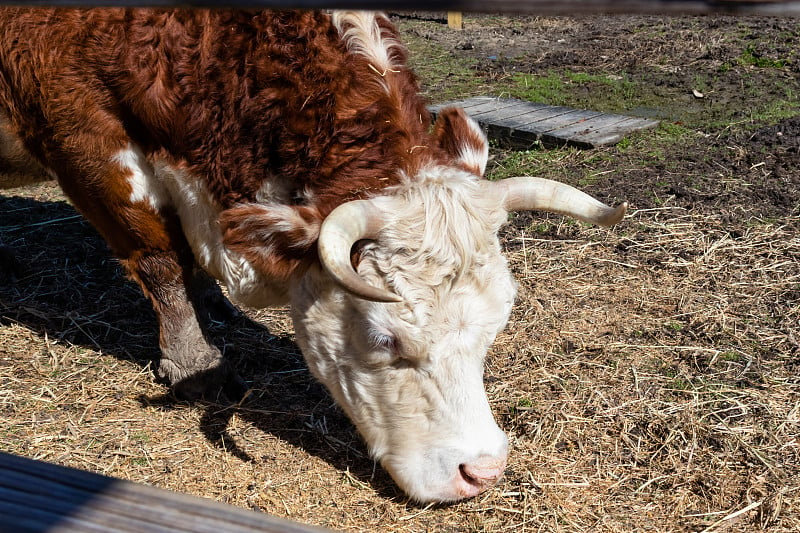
(527, 193)
(348, 223)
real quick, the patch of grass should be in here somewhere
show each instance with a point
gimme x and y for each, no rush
(773, 111)
(561, 87)
(672, 131)
(732, 357)
(530, 162)
(681, 383)
(542, 227)
(674, 326)
(547, 89)
(624, 144)
(525, 403)
(444, 76)
(140, 461)
(611, 93)
(750, 57)
(141, 436)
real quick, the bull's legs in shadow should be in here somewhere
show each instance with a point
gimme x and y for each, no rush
(212, 306)
(190, 363)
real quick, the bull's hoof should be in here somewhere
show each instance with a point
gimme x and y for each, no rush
(220, 384)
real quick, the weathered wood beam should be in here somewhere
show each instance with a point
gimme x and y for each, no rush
(522, 124)
(37, 496)
(454, 20)
(543, 7)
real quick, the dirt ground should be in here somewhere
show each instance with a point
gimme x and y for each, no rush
(648, 378)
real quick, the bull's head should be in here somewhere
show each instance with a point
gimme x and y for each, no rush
(411, 292)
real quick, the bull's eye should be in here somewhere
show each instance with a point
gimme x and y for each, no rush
(383, 342)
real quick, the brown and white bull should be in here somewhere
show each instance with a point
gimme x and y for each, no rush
(290, 156)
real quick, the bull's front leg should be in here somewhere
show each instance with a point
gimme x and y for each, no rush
(119, 193)
(190, 363)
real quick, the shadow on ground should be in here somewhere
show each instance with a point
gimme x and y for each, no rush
(58, 278)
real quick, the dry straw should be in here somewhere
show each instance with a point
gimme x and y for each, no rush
(647, 380)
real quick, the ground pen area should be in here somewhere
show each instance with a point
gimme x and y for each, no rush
(648, 378)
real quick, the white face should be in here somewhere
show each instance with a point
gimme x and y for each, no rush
(410, 374)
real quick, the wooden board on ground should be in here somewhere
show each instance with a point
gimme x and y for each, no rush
(454, 20)
(523, 124)
(37, 496)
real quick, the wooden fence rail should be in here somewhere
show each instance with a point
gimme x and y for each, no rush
(544, 7)
(36, 497)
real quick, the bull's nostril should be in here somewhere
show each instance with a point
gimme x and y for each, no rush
(464, 474)
(484, 472)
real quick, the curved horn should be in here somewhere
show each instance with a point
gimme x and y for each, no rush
(351, 221)
(528, 193)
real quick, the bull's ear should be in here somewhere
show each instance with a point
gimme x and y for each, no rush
(462, 138)
(274, 238)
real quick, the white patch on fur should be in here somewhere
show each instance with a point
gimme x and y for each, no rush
(144, 185)
(474, 156)
(362, 35)
(282, 219)
(199, 215)
(161, 185)
(287, 220)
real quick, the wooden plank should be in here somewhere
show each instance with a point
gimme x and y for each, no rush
(603, 122)
(37, 496)
(26, 519)
(523, 117)
(612, 134)
(522, 124)
(526, 132)
(509, 108)
(572, 121)
(487, 107)
(454, 20)
(476, 104)
(561, 120)
(550, 130)
(539, 7)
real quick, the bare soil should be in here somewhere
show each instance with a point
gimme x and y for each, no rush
(648, 378)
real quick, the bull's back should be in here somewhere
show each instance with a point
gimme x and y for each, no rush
(48, 84)
(211, 87)
(42, 47)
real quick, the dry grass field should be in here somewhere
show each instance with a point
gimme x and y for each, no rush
(648, 379)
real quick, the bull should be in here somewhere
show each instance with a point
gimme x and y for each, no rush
(290, 156)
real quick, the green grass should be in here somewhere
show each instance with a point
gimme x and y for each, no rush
(733, 357)
(141, 436)
(749, 57)
(525, 403)
(674, 326)
(773, 111)
(562, 87)
(679, 111)
(584, 168)
(443, 75)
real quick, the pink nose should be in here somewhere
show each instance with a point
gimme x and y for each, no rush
(479, 475)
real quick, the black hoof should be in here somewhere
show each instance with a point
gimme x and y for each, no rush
(219, 385)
